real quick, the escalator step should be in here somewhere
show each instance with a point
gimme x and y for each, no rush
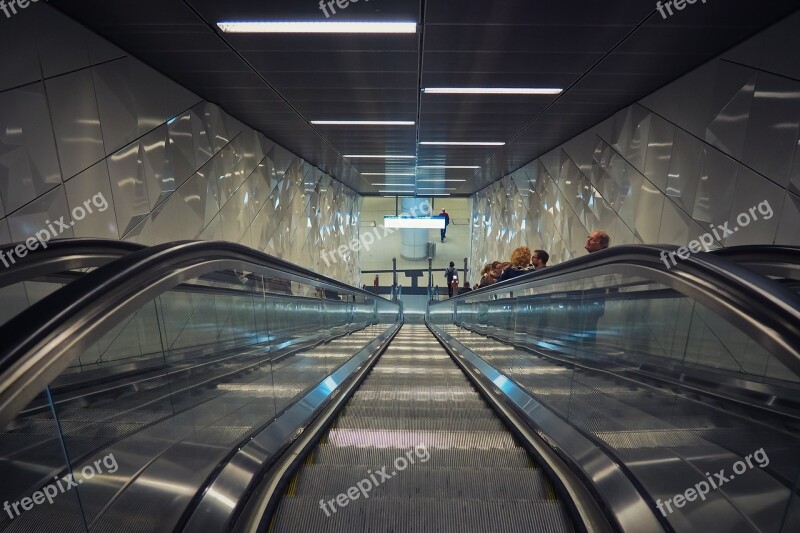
(464, 440)
(448, 424)
(404, 410)
(421, 515)
(439, 458)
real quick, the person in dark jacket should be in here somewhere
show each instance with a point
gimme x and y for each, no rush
(520, 264)
(449, 274)
(539, 259)
(465, 289)
(446, 218)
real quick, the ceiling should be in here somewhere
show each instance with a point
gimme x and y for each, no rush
(605, 55)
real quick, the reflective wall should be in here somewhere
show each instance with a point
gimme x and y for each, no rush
(82, 120)
(701, 151)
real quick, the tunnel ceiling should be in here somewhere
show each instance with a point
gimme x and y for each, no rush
(604, 55)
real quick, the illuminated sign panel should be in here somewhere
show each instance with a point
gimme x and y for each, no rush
(414, 223)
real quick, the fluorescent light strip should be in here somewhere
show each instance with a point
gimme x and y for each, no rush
(465, 143)
(394, 192)
(364, 122)
(437, 181)
(392, 184)
(492, 90)
(450, 166)
(350, 156)
(317, 27)
(437, 188)
(389, 174)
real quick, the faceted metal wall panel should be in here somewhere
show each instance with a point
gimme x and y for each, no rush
(92, 121)
(714, 144)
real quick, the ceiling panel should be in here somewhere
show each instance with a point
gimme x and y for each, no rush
(606, 55)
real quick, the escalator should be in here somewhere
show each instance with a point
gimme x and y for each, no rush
(31, 277)
(443, 457)
(238, 392)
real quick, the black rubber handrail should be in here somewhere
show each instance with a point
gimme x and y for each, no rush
(41, 341)
(63, 255)
(767, 259)
(766, 311)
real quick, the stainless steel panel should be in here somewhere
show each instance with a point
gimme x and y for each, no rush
(129, 187)
(63, 44)
(20, 57)
(202, 142)
(773, 128)
(28, 160)
(659, 151)
(167, 222)
(38, 214)
(201, 199)
(181, 147)
(215, 127)
(752, 190)
(716, 187)
(158, 174)
(794, 176)
(684, 170)
(76, 123)
(5, 233)
(649, 213)
(581, 150)
(789, 221)
(733, 102)
(235, 216)
(116, 103)
(134, 99)
(688, 101)
(213, 232)
(777, 41)
(676, 226)
(88, 185)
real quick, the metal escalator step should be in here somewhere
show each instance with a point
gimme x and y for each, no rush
(420, 424)
(464, 440)
(439, 458)
(422, 515)
(388, 410)
(652, 439)
(423, 370)
(401, 380)
(326, 481)
(436, 394)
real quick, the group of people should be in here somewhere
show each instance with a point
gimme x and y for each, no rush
(523, 261)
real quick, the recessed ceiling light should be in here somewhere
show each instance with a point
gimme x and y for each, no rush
(492, 90)
(463, 143)
(450, 166)
(437, 181)
(349, 156)
(317, 27)
(390, 174)
(437, 188)
(392, 184)
(437, 194)
(363, 122)
(394, 192)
